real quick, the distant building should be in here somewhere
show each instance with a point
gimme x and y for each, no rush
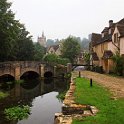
(42, 40)
(55, 49)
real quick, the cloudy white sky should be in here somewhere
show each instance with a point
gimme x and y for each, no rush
(61, 18)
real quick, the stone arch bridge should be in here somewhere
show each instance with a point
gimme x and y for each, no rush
(18, 68)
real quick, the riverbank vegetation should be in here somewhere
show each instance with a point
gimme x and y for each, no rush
(17, 113)
(110, 110)
(3, 95)
(61, 96)
(19, 81)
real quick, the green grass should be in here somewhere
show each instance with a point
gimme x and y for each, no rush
(3, 95)
(110, 111)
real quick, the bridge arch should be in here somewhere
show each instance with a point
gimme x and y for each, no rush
(7, 77)
(48, 74)
(29, 74)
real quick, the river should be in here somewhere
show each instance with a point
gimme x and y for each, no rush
(40, 95)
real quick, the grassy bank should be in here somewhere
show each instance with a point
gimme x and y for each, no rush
(110, 111)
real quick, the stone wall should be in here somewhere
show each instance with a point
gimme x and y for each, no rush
(72, 110)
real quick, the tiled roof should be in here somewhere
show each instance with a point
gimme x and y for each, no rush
(121, 30)
(105, 29)
(121, 22)
(96, 38)
(55, 47)
(94, 56)
(106, 38)
(107, 54)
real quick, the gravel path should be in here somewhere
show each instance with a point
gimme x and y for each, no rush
(114, 84)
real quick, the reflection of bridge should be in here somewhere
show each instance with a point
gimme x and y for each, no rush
(18, 68)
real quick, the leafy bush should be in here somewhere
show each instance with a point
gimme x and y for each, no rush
(68, 75)
(61, 96)
(119, 64)
(17, 113)
(98, 69)
(3, 95)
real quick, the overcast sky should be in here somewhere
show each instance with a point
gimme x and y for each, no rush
(61, 18)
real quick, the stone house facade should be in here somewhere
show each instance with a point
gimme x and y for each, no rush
(55, 49)
(104, 45)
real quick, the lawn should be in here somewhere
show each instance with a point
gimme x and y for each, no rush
(110, 111)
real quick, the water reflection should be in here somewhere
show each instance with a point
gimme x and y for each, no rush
(40, 95)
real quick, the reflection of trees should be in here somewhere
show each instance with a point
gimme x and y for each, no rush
(6, 82)
(50, 85)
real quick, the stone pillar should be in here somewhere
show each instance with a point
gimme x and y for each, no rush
(17, 71)
(54, 73)
(42, 70)
(69, 67)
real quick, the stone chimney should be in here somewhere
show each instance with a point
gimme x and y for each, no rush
(110, 23)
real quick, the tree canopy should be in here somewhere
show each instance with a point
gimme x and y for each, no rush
(39, 52)
(15, 41)
(70, 48)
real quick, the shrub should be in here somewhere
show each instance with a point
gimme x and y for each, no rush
(17, 113)
(3, 95)
(119, 64)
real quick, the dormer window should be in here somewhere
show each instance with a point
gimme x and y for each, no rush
(116, 37)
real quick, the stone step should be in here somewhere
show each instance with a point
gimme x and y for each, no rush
(67, 110)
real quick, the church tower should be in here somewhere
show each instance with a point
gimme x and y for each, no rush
(42, 40)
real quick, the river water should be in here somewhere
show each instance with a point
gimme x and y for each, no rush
(40, 95)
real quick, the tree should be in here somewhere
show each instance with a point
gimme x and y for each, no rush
(8, 31)
(50, 58)
(15, 41)
(24, 45)
(39, 52)
(86, 57)
(85, 44)
(70, 48)
(53, 58)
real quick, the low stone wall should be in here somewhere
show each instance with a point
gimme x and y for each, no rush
(72, 110)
